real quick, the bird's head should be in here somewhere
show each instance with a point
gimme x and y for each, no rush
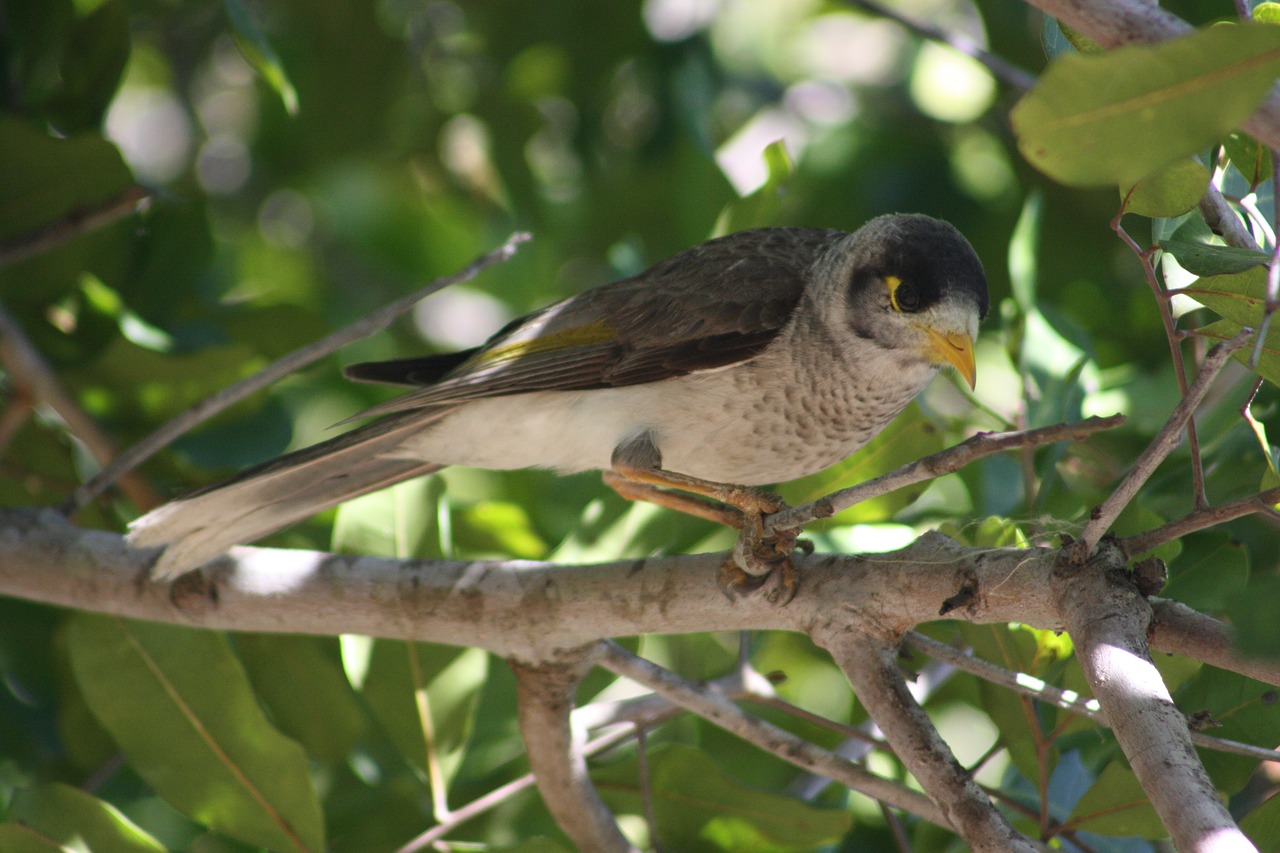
(911, 284)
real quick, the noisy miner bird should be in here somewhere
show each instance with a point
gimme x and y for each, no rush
(754, 358)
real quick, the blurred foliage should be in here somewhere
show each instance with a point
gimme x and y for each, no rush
(309, 161)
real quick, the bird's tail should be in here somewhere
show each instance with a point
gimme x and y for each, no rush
(200, 526)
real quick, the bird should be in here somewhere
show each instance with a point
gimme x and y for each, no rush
(750, 359)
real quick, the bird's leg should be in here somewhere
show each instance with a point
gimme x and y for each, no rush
(746, 508)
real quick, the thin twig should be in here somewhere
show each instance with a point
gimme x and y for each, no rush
(500, 795)
(210, 406)
(30, 371)
(1067, 700)
(1165, 306)
(1198, 520)
(935, 465)
(999, 67)
(72, 225)
(1159, 448)
(719, 710)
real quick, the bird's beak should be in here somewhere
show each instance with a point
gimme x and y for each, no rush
(954, 348)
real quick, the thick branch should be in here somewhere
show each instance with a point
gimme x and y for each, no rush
(870, 663)
(1177, 629)
(1107, 619)
(545, 696)
(531, 609)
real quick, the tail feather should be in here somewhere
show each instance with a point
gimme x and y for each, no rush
(200, 526)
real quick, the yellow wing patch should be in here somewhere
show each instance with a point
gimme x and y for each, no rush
(598, 332)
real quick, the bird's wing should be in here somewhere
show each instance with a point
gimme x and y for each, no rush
(716, 304)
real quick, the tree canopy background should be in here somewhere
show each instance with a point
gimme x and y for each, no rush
(307, 162)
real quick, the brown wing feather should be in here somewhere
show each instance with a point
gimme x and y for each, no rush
(710, 306)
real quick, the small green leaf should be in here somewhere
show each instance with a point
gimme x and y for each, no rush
(700, 808)
(1023, 252)
(68, 816)
(1208, 260)
(1116, 804)
(1267, 13)
(1115, 118)
(1251, 160)
(1268, 365)
(257, 50)
(180, 707)
(763, 206)
(1172, 191)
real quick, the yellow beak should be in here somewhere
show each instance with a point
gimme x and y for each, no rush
(954, 348)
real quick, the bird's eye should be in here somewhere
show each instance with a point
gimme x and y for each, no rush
(902, 296)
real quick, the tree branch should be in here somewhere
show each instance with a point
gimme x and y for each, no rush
(294, 361)
(545, 693)
(716, 708)
(1159, 448)
(1068, 700)
(77, 222)
(1199, 520)
(935, 465)
(871, 666)
(1107, 619)
(999, 67)
(30, 370)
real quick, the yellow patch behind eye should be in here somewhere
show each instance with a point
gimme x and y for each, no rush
(893, 283)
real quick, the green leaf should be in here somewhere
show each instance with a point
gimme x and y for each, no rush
(1239, 297)
(1023, 252)
(1267, 13)
(908, 437)
(15, 838)
(1268, 365)
(1262, 825)
(69, 817)
(180, 707)
(1172, 191)
(699, 808)
(1251, 159)
(1116, 805)
(404, 680)
(1252, 613)
(44, 179)
(1115, 118)
(1211, 568)
(1208, 260)
(762, 207)
(257, 50)
(300, 682)
(1241, 708)
(96, 53)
